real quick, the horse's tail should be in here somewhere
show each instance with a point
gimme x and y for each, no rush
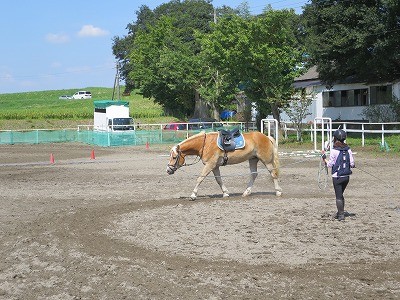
(275, 171)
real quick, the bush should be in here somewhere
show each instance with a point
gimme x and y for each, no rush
(383, 113)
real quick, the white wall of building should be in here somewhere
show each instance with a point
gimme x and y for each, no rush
(354, 113)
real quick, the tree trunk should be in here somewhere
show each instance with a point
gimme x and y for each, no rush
(200, 107)
(214, 112)
(275, 113)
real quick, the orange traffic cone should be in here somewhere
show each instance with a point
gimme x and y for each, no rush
(92, 156)
(51, 158)
(147, 145)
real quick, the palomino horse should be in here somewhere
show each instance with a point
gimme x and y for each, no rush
(257, 147)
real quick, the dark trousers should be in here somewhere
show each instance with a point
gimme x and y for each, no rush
(340, 184)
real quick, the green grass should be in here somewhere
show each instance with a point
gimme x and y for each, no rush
(44, 107)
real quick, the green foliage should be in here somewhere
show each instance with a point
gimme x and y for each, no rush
(160, 55)
(262, 53)
(164, 66)
(297, 110)
(383, 113)
(354, 38)
(176, 56)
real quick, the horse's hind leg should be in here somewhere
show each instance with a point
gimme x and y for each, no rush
(217, 175)
(253, 169)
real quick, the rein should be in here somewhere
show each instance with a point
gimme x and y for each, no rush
(198, 157)
(175, 166)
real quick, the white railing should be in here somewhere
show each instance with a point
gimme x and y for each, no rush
(354, 127)
(364, 129)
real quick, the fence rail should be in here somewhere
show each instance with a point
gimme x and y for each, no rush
(351, 127)
(144, 133)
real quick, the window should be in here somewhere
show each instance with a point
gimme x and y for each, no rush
(344, 98)
(380, 94)
(360, 97)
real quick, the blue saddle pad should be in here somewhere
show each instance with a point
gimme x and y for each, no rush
(239, 142)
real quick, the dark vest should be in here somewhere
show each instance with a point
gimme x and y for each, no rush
(342, 164)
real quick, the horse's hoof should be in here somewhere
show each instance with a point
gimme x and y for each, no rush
(246, 193)
(224, 195)
(192, 197)
(278, 193)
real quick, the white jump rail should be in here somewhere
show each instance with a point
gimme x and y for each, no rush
(326, 127)
(276, 128)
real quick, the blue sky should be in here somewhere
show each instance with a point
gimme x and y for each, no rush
(49, 44)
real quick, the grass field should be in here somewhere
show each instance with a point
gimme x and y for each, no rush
(43, 109)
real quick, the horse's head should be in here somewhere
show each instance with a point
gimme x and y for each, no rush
(176, 160)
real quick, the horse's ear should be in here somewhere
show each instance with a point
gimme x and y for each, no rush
(175, 149)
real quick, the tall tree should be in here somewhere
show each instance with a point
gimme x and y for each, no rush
(163, 66)
(359, 38)
(122, 45)
(161, 52)
(260, 53)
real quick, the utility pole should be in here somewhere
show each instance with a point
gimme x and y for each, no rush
(116, 89)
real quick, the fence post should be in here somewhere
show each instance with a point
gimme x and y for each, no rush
(383, 134)
(362, 135)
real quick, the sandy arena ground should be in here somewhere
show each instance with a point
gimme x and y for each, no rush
(118, 227)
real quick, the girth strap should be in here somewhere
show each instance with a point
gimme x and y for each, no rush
(225, 161)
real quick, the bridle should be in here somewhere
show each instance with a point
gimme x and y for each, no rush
(175, 166)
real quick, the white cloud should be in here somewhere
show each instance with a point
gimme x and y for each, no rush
(6, 77)
(91, 31)
(79, 69)
(57, 38)
(56, 64)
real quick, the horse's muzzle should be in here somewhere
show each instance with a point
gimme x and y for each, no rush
(171, 170)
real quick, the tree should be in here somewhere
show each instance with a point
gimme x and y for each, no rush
(161, 53)
(298, 109)
(261, 54)
(122, 45)
(163, 66)
(359, 38)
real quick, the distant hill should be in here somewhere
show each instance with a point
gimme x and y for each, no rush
(44, 109)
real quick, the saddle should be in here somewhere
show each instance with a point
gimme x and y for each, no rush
(229, 140)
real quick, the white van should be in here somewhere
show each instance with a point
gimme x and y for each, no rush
(82, 95)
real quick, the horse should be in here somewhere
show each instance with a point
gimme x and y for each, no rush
(257, 147)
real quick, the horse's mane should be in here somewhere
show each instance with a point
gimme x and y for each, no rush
(201, 133)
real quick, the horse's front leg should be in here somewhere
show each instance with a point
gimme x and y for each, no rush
(253, 175)
(217, 175)
(206, 170)
(272, 169)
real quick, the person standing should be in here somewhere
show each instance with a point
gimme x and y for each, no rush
(341, 161)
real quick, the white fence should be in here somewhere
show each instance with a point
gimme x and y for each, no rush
(324, 128)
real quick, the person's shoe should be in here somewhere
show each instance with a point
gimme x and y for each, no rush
(340, 217)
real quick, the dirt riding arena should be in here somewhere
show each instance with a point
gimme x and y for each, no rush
(118, 227)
